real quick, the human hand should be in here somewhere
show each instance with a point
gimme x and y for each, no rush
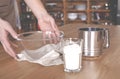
(48, 26)
(5, 29)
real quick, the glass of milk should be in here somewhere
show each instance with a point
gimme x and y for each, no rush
(72, 54)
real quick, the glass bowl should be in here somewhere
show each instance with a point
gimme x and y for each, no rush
(34, 40)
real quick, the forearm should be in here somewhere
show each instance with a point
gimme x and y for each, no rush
(45, 21)
(36, 7)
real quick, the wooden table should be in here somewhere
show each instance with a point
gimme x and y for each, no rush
(106, 66)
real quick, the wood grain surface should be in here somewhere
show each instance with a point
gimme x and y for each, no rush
(107, 66)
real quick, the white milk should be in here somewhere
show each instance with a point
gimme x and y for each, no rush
(72, 56)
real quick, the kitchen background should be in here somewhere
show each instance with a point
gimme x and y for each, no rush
(106, 12)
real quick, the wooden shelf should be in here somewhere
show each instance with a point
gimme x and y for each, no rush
(56, 1)
(77, 20)
(77, 11)
(55, 9)
(99, 10)
(76, 2)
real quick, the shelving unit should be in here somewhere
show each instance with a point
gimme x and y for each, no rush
(55, 9)
(87, 11)
(83, 11)
(99, 11)
(75, 8)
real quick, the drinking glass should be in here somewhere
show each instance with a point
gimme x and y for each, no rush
(72, 54)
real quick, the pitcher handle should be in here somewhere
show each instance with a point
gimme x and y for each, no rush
(106, 38)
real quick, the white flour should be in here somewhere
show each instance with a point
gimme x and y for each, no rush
(72, 54)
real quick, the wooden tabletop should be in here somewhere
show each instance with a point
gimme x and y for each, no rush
(107, 66)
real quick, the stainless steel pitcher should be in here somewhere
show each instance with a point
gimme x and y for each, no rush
(95, 39)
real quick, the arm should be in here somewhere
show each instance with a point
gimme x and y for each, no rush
(5, 29)
(37, 8)
(45, 21)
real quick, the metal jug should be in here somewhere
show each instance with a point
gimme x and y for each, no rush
(94, 40)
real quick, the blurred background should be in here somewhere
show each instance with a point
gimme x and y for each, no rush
(104, 12)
